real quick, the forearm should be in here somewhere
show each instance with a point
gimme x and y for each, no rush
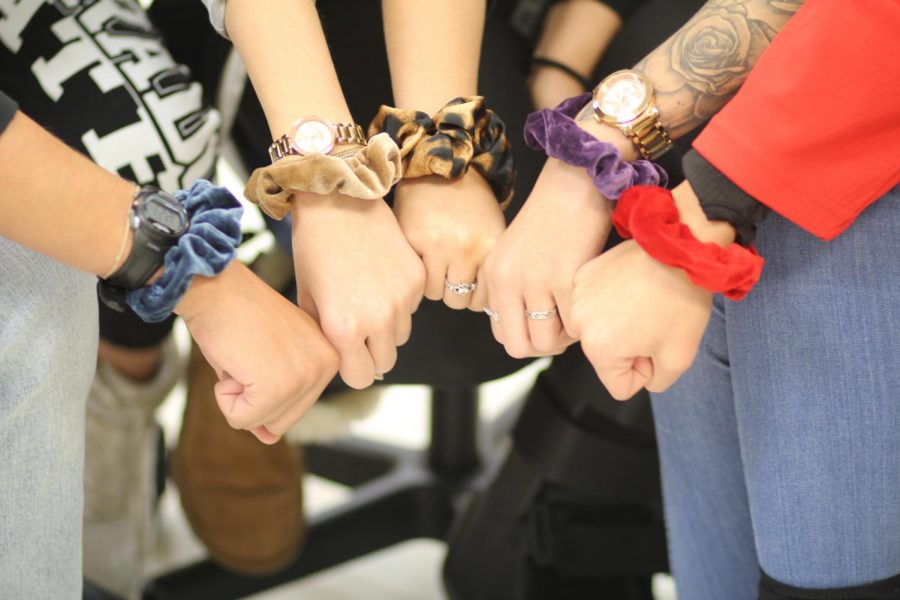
(433, 59)
(577, 32)
(57, 202)
(284, 49)
(702, 65)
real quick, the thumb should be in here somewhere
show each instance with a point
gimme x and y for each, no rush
(232, 401)
(626, 376)
(264, 435)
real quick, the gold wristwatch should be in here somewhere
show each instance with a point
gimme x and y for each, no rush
(315, 135)
(625, 100)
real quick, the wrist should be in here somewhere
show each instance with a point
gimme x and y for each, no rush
(608, 133)
(577, 183)
(204, 291)
(691, 214)
(304, 204)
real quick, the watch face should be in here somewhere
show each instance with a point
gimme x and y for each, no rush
(312, 136)
(164, 215)
(622, 96)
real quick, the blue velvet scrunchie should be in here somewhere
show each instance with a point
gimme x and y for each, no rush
(205, 249)
(556, 133)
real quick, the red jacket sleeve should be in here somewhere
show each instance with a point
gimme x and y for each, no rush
(814, 133)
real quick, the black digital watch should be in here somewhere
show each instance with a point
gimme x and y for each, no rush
(157, 220)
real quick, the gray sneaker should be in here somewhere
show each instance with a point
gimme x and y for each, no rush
(120, 473)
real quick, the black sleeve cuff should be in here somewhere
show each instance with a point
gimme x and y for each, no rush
(721, 199)
(7, 111)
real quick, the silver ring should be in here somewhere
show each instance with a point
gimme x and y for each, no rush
(540, 315)
(494, 316)
(460, 289)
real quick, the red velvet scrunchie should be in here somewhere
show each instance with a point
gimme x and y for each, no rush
(648, 214)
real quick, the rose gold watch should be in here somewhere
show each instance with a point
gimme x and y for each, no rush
(315, 135)
(624, 99)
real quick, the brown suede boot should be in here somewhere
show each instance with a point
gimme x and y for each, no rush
(243, 499)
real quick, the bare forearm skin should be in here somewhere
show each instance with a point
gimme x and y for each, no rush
(433, 49)
(282, 44)
(57, 202)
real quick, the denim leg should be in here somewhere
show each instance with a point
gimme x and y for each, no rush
(815, 351)
(707, 516)
(48, 350)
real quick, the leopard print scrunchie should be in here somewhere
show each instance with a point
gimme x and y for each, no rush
(463, 133)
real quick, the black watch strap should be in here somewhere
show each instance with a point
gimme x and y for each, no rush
(148, 249)
(147, 255)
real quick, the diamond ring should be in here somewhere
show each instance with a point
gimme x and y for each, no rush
(494, 316)
(540, 315)
(460, 289)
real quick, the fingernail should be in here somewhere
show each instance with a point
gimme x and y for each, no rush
(379, 377)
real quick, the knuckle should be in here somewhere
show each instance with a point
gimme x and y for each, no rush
(618, 391)
(518, 350)
(238, 422)
(381, 319)
(595, 344)
(343, 332)
(546, 347)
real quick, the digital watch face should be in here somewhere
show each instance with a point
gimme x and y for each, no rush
(164, 216)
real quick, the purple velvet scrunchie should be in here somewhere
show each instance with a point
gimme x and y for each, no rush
(556, 133)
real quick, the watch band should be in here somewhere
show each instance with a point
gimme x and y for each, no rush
(648, 134)
(148, 248)
(140, 265)
(345, 133)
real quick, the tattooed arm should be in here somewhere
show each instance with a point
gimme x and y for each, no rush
(565, 221)
(703, 64)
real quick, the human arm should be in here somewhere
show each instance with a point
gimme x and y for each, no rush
(364, 294)
(640, 322)
(57, 202)
(638, 347)
(575, 34)
(695, 72)
(451, 223)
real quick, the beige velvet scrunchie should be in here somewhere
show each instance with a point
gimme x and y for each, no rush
(368, 174)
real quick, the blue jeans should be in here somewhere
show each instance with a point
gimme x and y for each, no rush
(780, 447)
(48, 351)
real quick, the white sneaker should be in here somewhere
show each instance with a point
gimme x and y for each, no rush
(120, 473)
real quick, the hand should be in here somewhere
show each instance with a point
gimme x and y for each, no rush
(271, 358)
(452, 225)
(563, 224)
(358, 276)
(640, 322)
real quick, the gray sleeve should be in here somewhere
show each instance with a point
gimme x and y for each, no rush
(217, 15)
(7, 111)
